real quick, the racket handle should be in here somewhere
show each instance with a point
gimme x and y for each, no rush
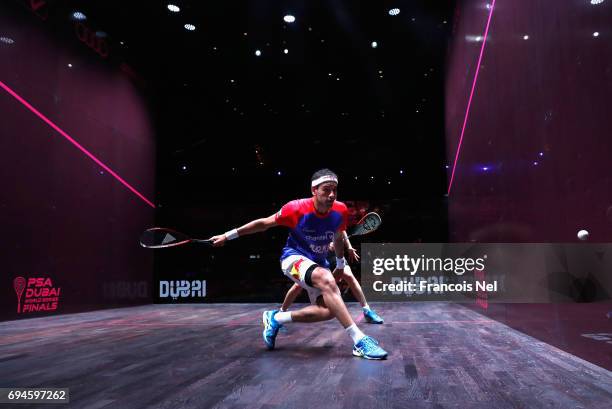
(203, 241)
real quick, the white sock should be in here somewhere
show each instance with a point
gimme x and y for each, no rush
(283, 317)
(366, 306)
(355, 333)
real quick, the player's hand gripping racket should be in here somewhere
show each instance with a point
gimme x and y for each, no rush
(160, 237)
(367, 224)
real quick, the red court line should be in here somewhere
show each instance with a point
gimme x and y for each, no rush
(467, 111)
(75, 143)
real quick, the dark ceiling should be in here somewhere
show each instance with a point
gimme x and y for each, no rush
(231, 122)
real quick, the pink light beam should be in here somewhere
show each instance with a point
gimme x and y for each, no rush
(75, 143)
(467, 111)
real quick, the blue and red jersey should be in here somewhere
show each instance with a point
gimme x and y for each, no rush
(311, 232)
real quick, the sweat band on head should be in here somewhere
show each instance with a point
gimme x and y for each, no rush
(323, 179)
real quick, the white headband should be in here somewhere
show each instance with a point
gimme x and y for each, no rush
(322, 179)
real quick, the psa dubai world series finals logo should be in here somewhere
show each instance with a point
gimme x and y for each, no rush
(36, 294)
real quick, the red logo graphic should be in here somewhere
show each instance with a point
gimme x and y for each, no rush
(40, 295)
(19, 284)
(295, 269)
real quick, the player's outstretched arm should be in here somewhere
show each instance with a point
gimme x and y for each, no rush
(254, 226)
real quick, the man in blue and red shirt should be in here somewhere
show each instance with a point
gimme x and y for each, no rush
(313, 223)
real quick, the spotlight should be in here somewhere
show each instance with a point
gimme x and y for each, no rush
(173, 8)
(189, 27)
(77, 15)
(525, 37)
(7, 40)
(596, 34)
(394, 12)
(257, 53)
(473, 38)
(597, 1)
(289, 18)
(286, 51)
(374, 44)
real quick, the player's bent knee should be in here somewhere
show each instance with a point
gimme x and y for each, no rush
(328, 284)
(323, 279)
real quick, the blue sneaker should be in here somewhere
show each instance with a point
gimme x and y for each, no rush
(368, 348)
(271, 327)
(372, 317)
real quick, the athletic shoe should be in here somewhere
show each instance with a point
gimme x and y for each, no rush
(368, 348)
(372, 317)
(271, 327)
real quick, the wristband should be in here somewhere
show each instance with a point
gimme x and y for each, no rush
(340, 262)
(232, 234)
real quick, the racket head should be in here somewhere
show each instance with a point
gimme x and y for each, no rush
(161, 237)
(19, 283)
(369, 223)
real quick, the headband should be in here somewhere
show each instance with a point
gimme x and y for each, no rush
(322, 179)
